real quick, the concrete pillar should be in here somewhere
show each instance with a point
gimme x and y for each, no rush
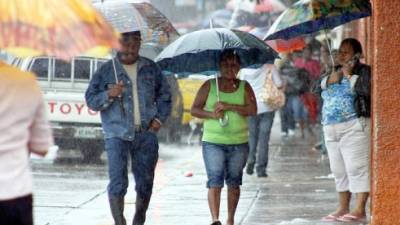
(386, 113)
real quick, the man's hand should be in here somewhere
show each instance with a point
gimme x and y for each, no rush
(155, 126)
(116, 90)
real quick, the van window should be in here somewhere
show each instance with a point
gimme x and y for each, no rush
(82, 69)
(100, 62)
(40, 67)
(62, 69)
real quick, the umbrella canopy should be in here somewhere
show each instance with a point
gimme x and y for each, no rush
(309, 16)
(39, 27)
(199, 51)
(161, 28)
(127, 16)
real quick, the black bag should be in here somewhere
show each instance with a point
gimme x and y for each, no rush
(362, 101)
(362, 106)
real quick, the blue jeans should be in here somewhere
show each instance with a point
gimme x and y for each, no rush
(144, 155)
(259, 134)
(224, 162)
(293, 111)
(297, 108)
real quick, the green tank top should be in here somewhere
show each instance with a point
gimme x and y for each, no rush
(236, 132)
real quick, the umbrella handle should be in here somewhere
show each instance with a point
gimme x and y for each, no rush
(224, 121)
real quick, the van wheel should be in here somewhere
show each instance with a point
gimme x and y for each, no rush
(91, 151)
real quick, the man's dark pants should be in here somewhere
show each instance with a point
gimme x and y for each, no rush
(144, 155)
(16, 211)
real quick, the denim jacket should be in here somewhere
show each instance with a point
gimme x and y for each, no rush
(117, 119)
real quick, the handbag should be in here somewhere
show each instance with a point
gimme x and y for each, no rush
(271, 94)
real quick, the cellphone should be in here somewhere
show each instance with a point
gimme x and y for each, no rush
(355, 58)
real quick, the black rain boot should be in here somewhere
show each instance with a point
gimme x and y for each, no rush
(250, 168)
(141, 207)
(117, 210)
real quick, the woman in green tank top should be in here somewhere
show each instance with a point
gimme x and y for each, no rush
(225, 148)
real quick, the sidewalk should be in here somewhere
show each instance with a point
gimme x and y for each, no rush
(298, 191)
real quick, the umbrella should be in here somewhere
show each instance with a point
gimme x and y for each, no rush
(58, 28)
(309, 16)
(198, 52)
(127, 16)
(161, 28)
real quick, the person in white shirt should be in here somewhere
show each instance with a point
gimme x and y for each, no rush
(261, 124)
(25, 129)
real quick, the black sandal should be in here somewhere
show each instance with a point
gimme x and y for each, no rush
(216, 223)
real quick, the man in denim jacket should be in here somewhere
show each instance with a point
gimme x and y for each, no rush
(133, 104)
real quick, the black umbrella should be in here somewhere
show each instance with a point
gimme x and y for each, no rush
(199, 51)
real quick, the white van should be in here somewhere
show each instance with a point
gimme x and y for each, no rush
(75, 126)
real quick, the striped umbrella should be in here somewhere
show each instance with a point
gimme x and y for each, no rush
(60, 28)
(128, 15)
(309, 16)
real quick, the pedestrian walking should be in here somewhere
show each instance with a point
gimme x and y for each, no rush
(345, 119)
(260, 125)
(134, 100)
(296, 83)
(225, 146)
(309, 100)
(25, 130)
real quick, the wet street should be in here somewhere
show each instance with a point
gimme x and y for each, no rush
(298, 190)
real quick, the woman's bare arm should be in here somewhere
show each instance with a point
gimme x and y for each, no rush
(199, 103)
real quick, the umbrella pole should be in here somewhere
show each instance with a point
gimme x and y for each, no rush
(121, 103)
(330, 50)
(222, 121)
(114, 67)
(216, 81)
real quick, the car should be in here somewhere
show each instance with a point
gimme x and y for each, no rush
(189, 87)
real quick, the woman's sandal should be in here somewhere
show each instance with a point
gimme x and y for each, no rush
(351, 218)
(330, 218)
(216, 223)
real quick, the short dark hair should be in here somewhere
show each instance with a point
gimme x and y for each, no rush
(229, 53)
(131, 33)
(355, 44)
